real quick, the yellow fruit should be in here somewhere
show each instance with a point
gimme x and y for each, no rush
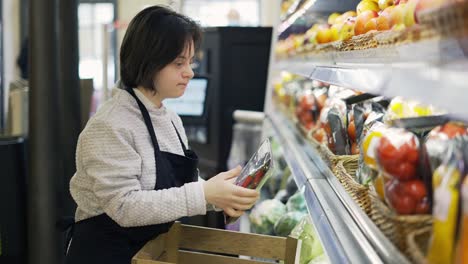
(346, 31)
(365, 5)
(385, 3)
(342, 19)
(335, 30)
(398, 27)
(324, 36)
(409, 13)
(332, 18)
(368, 146)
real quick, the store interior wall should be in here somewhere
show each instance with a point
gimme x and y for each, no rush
(269, 12)
(11, 44)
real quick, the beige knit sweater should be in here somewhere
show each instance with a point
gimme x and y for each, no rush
(116, 167)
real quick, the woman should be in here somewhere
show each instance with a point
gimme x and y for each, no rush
(135, 175)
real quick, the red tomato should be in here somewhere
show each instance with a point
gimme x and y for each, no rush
(386, 150)
(354, 148)
(416, 189)
(352, 131)
(319, 135)
(404, 204)
(453, 129)
(403, 171)
(412, 151)
(306, 117)
(389, 155)
(393, 189)
(422, 207)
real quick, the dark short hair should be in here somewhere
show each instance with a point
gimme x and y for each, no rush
(155, 37)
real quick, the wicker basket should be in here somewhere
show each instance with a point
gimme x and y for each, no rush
(395, 227)
(448, 20)
(365, 41)
(388, 38)
(418, 242)
(358, 192)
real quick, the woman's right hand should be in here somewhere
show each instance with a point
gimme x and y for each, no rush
(221, 192)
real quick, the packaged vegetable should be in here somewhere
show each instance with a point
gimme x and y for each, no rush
(337, 136)
(462, 253)
(264, 216)
(367, 170)
(398, 156)
(297, 203)
(311, 245)
(437, 141)
(287, 222)
(256, 172)
(400, 108)
(307, 110)
(446, 180)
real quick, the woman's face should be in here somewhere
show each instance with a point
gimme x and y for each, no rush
(172, 80)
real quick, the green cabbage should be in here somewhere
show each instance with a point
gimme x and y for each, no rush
(287, 222)
(311, 246)
(297, 203)
(264, 216)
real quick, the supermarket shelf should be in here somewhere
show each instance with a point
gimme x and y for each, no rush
(433, 72)
(347, 234)
(317, 6)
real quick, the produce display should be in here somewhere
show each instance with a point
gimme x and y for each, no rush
(402, 161)
(370, 18)
(410, 155)
(283, 211)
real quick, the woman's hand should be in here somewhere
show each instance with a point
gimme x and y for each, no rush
(221, 192)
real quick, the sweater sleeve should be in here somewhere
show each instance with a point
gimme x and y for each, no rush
(109, 158)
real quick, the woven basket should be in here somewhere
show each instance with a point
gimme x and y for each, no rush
(418, 242)
(358, 192)
(326, 47)
(395, 227)
(388, 38)
(448, 20)
(365, 41)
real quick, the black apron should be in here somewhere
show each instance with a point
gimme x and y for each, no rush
(101, 240)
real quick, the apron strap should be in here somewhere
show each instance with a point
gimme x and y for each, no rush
(180, 139)
(147, 119)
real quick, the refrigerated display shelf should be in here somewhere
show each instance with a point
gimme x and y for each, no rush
(347, 234)
(315, 6)
(434, 72)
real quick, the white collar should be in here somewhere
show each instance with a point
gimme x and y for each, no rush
(148, 103)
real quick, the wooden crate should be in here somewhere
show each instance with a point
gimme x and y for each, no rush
(191, 244)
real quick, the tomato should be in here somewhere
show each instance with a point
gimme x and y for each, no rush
(404, 204)
(453, 129)
(393, 189)
(385, 149)
(422, 207)
(321, 99)
(412, 151)
(307, 102)
(319, 135)
(354, 148)
(352, 131)
(416, 189)
(403, 171)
